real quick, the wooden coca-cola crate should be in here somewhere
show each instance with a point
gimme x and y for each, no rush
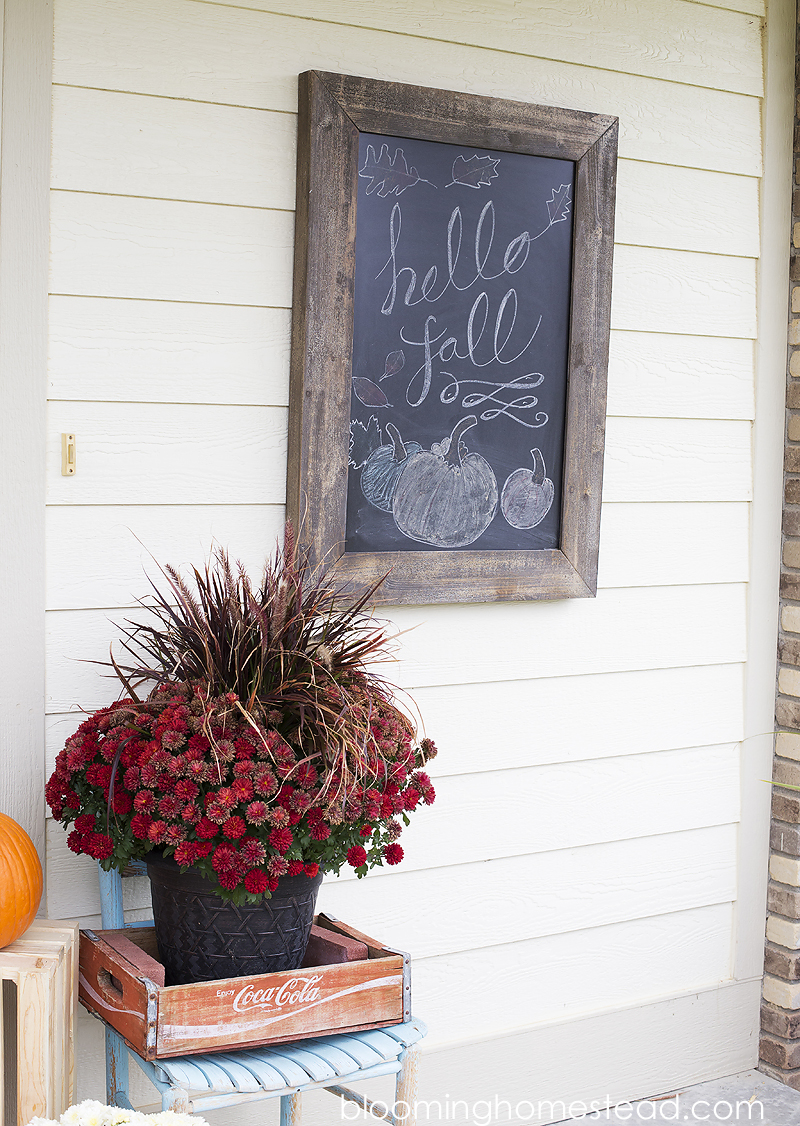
(122, 981)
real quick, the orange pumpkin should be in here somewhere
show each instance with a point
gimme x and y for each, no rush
(20, 880)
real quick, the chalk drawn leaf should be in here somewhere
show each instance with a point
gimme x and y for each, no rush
(387, 175)
(477, 172)
(364, 441)
(369, 393)
(558, 204)
(394, 363)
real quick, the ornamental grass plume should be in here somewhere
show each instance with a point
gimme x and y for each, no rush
(266, 746)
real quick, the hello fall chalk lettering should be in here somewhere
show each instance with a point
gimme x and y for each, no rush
(478, 352)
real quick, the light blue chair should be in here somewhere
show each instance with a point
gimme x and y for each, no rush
(197, 1083)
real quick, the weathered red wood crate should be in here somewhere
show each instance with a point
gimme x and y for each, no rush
(122, 982)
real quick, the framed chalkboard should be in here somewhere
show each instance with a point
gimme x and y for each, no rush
(450, 339)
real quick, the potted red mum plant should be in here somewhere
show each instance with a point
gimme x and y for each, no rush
(254, 750)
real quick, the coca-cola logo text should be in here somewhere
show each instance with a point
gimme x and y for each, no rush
(295, 991)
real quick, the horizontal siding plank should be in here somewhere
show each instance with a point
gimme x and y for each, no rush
(685, 293)
(665, 459)
(514, 813)
(659, 374)
(154, 351)
(129, 542)
(106, 246)
(621, 630)
(209, 454)
(240, 58)
(546, 979)
(641, 545)
(157, 453)
(110, 142)
(646, 544)
(657, 627)
(585, 1065)
(566, 805)
(610, 714)
(684, 42)
(106, 141)
(165, 352)
(525, 897)
(521, 897)
(686, 209)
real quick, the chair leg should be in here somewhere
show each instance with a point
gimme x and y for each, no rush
(405, 1094)
(117, 1089)
(176, 1099)
(291, 1110)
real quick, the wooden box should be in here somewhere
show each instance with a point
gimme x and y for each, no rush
(120, 975)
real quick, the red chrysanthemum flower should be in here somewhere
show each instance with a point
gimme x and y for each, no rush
(320, 831)
(279, 817)
(157, 831)
(365, 831)
(102, 846)
(255, 881)
(305, 775)
(281, 839)
(76, 842)
(277, 866)
(228, 880)
(272, 883)
(264, 781)
(85, 823)
(186, 790)
(356, 856)
(131, 778)
(206, 829)
(295, 867)
(257, 812)
(186, 853)
(243, 788)
(411, 798)
(312, 870)
(393, 853)
(218, 812)
(225, 858)
(140, 825)
(122, 803)
(234, 828)
(252, 851)
(174, 835)
(168, 806)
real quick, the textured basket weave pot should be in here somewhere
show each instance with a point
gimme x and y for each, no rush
(202, 937)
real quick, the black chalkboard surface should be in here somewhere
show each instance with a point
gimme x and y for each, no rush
(460, 347)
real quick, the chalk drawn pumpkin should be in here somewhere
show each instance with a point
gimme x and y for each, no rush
(527, 494)
(383, 467)
(446, 496)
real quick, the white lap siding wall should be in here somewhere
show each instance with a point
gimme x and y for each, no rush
(571, 898)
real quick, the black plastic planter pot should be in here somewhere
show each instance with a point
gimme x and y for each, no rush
(202, 937)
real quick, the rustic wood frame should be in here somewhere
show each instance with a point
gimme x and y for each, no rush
(333, 109)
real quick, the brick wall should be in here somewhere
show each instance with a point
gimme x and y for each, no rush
(780, 1009)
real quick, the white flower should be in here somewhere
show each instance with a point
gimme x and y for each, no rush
(92, 1113)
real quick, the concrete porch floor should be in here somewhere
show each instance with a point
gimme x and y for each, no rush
(743, 1098)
